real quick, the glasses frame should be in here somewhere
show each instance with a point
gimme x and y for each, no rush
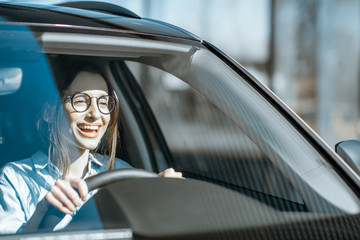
(70, 98)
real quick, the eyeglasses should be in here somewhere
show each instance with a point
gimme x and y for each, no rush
(82, 101)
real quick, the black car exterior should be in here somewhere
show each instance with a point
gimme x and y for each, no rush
(252, 168)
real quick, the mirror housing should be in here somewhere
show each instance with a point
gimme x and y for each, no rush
(349, 150)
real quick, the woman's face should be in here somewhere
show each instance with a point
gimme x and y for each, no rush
(87, 127)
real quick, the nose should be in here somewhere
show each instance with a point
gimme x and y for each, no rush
(93, 111)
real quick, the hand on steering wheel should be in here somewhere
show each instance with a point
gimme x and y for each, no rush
(46, 220)
(63, 194)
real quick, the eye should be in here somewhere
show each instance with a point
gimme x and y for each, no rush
(103, 101)
(80, 99)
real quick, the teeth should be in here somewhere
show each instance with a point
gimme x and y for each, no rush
(89, 127)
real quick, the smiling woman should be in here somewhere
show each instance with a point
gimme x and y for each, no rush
(73, 129)
(72, 133)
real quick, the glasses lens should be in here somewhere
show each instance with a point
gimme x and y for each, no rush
(80, 102)
(106, 104)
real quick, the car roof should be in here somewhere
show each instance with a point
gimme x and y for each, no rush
(91, 15)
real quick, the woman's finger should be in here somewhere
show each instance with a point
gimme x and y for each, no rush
(56, 203)
(81, 186)
(69, 192)
(59, 194)
(171, 173)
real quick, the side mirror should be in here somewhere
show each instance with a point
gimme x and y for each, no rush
(349, 150)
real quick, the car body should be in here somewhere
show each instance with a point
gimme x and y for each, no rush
(253, 169)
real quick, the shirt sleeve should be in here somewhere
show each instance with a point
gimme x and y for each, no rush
(12, 217)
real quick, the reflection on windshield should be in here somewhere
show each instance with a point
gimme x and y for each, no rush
(10, 80)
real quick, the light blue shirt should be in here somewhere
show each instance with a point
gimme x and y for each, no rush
(24, 183)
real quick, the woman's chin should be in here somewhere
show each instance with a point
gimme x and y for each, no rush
(87, 144)
(90, 146)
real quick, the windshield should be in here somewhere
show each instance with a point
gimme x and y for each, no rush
(237, 123)
(172, 104)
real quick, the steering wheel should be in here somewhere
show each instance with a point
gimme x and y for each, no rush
(102, 179)
(53, 216)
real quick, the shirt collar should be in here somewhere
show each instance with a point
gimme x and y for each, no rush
(92, 159)
(40, 161)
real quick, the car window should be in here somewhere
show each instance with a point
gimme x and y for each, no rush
(26, 79)
(206, 144)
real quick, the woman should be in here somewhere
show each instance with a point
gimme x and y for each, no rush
(75, 128)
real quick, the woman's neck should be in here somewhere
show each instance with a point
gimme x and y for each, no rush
(79, 166)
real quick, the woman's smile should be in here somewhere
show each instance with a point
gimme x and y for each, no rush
(90, 130)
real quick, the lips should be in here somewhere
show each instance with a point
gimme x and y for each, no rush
(90, 130)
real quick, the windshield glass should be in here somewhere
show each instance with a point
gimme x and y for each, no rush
(172, 104)
(234, 118)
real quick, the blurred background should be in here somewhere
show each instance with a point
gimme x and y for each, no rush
(305, 51)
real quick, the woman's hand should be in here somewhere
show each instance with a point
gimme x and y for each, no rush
(64, 196)
(171, 173)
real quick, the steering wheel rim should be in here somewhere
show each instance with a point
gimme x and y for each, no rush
(104, 178)
(53, 216)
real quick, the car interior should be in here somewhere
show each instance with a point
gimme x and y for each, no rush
(140, 134)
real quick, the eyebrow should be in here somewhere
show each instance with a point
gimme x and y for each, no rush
(103, 93)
